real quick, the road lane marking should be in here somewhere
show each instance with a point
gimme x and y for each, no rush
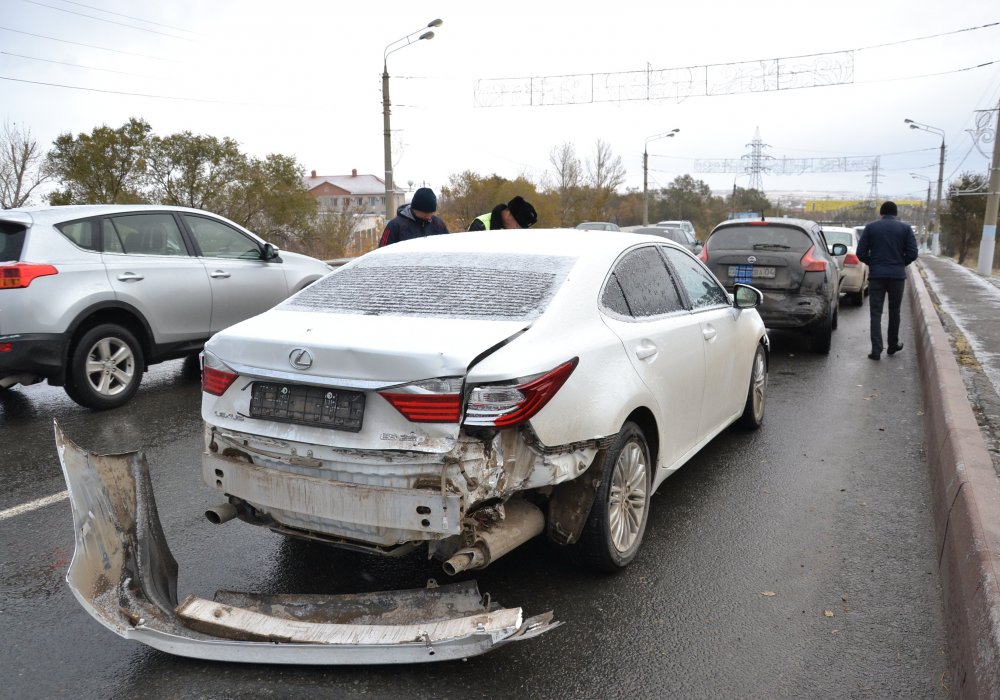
(33, 505)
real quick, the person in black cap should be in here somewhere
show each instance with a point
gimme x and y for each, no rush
(516, 213)
(887, 246)
(414, 220)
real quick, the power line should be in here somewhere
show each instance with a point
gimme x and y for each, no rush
(929, 36)
(89, 46)
(75, 65)
(130, 94)
(137, 19)
(101, 19)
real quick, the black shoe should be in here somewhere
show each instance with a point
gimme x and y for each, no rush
(874, 355)
(893, 349)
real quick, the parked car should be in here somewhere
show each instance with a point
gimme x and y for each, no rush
(792, 264)
(466, 393)
(598, 226)
(91, 296)
(853, 272)
(673, 233)
(681, 223)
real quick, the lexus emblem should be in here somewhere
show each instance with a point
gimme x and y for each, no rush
(752, 259)
(300, 358)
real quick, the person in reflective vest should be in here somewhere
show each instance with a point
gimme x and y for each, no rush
(517, 213)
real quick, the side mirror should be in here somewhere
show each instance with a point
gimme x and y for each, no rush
(270, 252)
(747, 297)
(839, 249)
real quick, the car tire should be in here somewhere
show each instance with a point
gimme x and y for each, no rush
(613, 532)
(106, 367)
(753, 409)
(822, 335)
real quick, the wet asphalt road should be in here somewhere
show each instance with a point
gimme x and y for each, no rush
(826, 507)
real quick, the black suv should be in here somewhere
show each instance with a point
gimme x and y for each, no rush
(790, 262)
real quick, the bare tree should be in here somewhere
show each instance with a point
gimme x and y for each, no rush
(567, 182)
(21, 166)
(605, 174)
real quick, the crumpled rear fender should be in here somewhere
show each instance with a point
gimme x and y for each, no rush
(125, 576)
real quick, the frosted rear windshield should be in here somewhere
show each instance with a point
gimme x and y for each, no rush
(759, 238)
(453, 285)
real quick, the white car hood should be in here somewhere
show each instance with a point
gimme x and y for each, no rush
(384, 350)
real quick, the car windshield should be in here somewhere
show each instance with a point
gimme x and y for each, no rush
(839, 237)
(759, 238)
(446, 285)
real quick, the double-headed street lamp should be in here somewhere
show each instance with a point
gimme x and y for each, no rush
(390, 192)
(927, 207)
(937, 206)
(645, 172)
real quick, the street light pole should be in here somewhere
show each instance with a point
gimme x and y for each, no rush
(935, 242)
(645, 172)
(988, 243)
(927, 206)
(390, 191)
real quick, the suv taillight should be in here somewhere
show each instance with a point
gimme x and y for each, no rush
(811, 264)
(216, 376)
(851, 259)
(20, 275)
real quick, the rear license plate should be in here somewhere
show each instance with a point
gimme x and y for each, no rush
(339, 409)
(751, 271)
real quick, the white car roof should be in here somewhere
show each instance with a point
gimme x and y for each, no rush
(56, 214)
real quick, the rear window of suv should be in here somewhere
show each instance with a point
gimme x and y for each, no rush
(11, 241)
(450, 285)
(759, 238)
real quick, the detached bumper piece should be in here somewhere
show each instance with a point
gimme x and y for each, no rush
(124, 575)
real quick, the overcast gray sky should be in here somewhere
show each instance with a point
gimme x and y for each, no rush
(303, 78)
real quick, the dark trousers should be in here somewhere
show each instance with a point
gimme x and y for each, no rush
(877, 289)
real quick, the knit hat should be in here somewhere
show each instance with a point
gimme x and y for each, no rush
(888, 209)
(522, 212)
(424, 199)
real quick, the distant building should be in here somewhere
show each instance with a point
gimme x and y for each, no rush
(357, 194)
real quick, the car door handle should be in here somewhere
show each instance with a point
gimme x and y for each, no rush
(130, 277)
(645, 350)
(709, 332)
(220, 274)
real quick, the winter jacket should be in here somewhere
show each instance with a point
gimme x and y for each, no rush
(887, 246)
(491, 221)
(406, 226)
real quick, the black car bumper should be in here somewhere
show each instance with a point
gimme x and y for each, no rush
(781, 310)
(40, 354)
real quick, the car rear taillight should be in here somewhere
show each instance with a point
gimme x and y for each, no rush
(19, 275)
(428, 401)
(703, 255)
(811, 264)
(851, 259)
(216, 377)
(509, 404)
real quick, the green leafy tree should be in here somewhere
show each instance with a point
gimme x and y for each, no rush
(686, 198)
(106, 166)
(963, 221)
(191, 170)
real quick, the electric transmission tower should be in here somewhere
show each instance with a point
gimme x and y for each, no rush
(755, 162)
(873, 179)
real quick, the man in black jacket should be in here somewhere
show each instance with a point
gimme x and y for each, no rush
(887, 246)
(414, 220)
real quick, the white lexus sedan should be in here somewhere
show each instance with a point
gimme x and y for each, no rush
(469, 392)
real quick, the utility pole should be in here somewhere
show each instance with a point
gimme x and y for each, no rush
(988, 242)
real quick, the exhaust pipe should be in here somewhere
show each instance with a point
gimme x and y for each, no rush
(522, 521)
(222, 513)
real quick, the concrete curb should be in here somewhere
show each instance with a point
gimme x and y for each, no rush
(966, 506)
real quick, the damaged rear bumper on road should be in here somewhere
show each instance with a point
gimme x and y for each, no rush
(124, 575)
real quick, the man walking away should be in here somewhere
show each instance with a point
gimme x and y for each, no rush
(887, 246)
(517, 213)
(414, 220)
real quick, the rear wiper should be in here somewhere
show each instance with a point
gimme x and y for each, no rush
(771, 246)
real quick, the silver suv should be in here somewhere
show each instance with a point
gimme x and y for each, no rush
(90, 296)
